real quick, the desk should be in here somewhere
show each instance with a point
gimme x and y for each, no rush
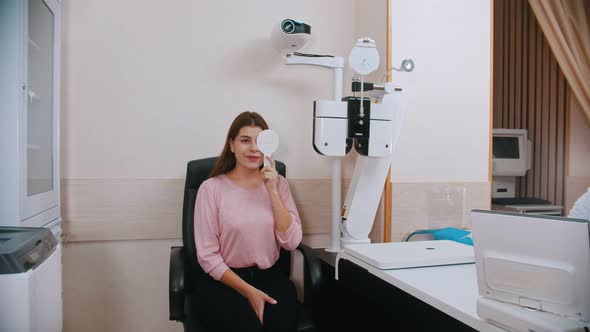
(418, 299)
(452, 289)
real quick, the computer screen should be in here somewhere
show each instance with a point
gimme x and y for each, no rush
(509, 152)
(535, 261)
(505, 148)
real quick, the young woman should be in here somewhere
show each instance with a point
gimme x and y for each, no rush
(243, 215)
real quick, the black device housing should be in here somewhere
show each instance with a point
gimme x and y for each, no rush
(359, 125)
(290, 26)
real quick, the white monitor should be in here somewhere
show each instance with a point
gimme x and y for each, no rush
(534, 261)
(510, 151)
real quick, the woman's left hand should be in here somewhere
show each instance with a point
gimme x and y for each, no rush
(271, 176)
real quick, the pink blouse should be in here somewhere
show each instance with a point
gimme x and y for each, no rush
(234, 226)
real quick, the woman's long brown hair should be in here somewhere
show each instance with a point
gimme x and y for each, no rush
(227, 160)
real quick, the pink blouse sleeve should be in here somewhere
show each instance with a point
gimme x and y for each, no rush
(207, 232)
(291, 238)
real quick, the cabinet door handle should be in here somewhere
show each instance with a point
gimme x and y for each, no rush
(32, 95)
(29, 92)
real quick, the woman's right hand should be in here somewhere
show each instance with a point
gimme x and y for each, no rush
(257, 299)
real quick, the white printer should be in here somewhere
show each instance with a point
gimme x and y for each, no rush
(30, 280)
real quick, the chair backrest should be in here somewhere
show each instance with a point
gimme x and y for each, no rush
(197, 171)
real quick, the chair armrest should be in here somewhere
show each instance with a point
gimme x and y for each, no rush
(176, 284)
(312, 271)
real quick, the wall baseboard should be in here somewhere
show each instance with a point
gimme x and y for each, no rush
(121, 209)
(435, 205)
(150, 209)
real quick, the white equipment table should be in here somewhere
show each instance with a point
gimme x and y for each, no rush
(451, 289)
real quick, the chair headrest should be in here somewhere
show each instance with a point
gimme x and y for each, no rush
(198, 171)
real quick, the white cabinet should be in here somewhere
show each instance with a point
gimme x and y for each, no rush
(29, 112)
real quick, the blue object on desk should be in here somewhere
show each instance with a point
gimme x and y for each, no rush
(449, 233)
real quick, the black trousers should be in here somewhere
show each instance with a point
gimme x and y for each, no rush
(220, 308)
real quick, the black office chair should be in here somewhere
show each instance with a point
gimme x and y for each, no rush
(185, 269)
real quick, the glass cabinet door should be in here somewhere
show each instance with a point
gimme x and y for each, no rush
(40, 133)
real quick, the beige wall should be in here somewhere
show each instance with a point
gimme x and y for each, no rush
(445, 136)
(432, 205)
(440, 170)
(149, 85)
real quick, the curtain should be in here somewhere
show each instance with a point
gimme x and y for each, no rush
(565, 24)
